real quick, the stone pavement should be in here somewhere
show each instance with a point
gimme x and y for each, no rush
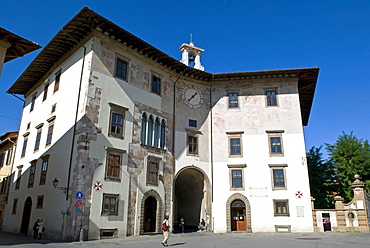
(206, 240)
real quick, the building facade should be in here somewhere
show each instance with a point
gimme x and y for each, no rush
(115, 134)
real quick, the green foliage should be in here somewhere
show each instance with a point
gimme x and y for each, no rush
(349, 156)
(322, 181)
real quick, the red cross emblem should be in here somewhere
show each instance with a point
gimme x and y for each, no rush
(299, 194)
(98, 186)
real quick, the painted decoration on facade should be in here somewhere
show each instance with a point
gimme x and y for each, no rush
(299, 194)
(98, 185)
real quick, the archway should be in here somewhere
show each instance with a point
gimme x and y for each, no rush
(26, 215)
(192, 198)
(150, 212)
(238, 213)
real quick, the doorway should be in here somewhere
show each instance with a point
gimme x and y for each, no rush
(238, 216)
(26, 215)
(150, 212)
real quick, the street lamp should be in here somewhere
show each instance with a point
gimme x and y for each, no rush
(55, 184)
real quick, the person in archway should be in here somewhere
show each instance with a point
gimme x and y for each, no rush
(166, 230)
(40, 228)
(182, 225)
(35, 228)
(201, 225)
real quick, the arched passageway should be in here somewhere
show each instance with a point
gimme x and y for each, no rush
(26, 215)
(192, 198)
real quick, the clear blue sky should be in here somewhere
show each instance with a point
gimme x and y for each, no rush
(237, 35)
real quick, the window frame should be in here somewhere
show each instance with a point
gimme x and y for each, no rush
(32, 174)
(113, 169)
(274, 98)
(117, 110)
(116, 197)
(44, 170)
(281, 167)
(9, 156)
(2, 159)
(273, 134)
(40, 202)
(151, 160)
(38, 139)
(237, 167)
(24, 146)
(46, 87)
(15, 206)
(156, 84)
(192, 141)
(57, 77)
(232, 100)
(19, 177)
(276, 203)
(4, 184)
(33, 102)
(125, 70)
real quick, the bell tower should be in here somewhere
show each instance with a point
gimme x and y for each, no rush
(191, 54)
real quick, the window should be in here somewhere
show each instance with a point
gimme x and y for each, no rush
(110, 204)
(271, 98)
(192, 123)
(275, 145)
(156, 84)
(57, 80)
(113, 166)
(152, 175)
(19, 176)
(28, 125)
(38, 138)
(281, 207)
(233, 100)
(121, 68)
(15, 205)
(46, 86)
(50, 133)
(31, 178)
(24, 147)
(2, 156)
(9, 156)
(33, 100)
(235, 146)
(40, 201)
(236, 178)
(275, 142)
(53, 108)
(4, 185)
(153, 132)
(117, 117)
(278, 175)
(192, 144)
(44, 170)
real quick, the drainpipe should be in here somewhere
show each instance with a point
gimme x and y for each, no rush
(210, 109)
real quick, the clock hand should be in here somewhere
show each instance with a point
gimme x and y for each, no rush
(196, 93)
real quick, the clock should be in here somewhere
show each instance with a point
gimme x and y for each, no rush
(192, 96)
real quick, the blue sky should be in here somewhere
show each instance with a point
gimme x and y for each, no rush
(237, 35)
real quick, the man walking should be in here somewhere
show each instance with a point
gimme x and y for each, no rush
(166, 231)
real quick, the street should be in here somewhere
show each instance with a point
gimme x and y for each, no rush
(207, 240)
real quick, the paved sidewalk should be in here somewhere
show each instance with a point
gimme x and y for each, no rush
(206, 240)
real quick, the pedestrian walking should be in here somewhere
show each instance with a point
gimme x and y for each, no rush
(182, 225)
(35, 228)
(166, 230)
(40, 228)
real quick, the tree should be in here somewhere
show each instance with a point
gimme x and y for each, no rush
(321, 176)
(350, 156)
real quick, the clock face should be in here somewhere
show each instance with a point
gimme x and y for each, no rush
(192, 96)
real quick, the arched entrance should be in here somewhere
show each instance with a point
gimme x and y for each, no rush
(150, 212)
(238, 213)
(26, 215)
(192, 198)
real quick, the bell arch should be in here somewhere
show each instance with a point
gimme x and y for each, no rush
(192, 197)
(146, 201)
(238, 200)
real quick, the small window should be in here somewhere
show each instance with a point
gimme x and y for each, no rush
(237, 178)
(235, 146)
(4, 185)
(281, 207)
(113, 169)
(117, 118)
(275, 145)
(110, 204)
(152, 173)
(271, 98)
(53, 108)
(19, 177)
(24, 147)
(57, 80)
(121, 68)
(192, 123)
(28, 125)
(31, 178)
(156, 84)
(38, 138)
(2, 157)
(44, 170)
(33, 100)
(278, 176)
(192, 144)
(46, 86)
(40, 202)
(15, 205)
(9, 156)
(50, 134)
(233, 100)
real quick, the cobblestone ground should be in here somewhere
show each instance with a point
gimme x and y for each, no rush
(207, 240)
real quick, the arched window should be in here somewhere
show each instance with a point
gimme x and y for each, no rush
(163, 135)
(150, 131)
(144, 121)
(156, 132)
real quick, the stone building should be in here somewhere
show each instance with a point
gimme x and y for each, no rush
(115, 134)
